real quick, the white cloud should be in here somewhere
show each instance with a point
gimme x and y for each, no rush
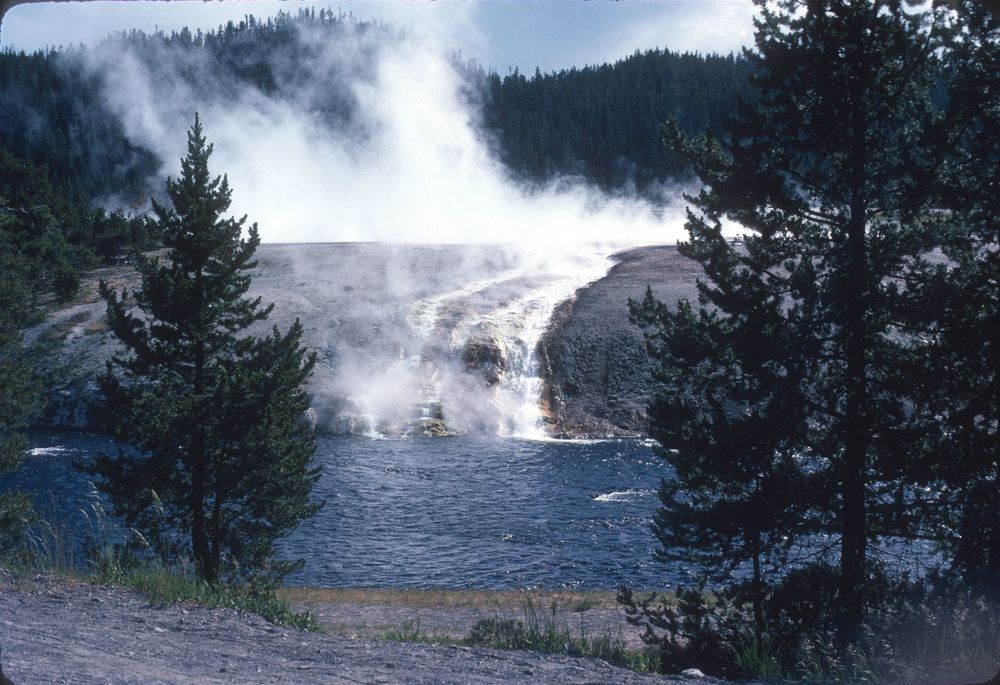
(704, 26)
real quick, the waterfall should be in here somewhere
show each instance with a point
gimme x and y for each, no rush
(477, 365)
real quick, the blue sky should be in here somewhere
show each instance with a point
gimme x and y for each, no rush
(502, 34)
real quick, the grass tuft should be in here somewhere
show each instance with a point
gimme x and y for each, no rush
(543, 632)
(106, 558)
(410, 631)
(169, 586)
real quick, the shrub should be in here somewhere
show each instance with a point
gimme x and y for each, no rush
(935, 628)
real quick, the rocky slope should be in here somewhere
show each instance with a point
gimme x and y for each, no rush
(598, 372)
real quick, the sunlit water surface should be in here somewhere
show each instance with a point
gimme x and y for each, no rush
(444, 512)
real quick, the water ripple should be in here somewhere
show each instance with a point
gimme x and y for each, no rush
(450, 512)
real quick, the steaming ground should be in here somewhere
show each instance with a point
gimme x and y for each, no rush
(429, 340)
(424, 339)
(404, 162)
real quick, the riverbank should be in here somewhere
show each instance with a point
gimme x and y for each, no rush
(443, 616)
(66, 632)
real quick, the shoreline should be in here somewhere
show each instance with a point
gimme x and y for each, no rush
(445, 616)
(57, 632)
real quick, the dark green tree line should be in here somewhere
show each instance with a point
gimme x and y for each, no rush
(601, 123)
(221, 467)
(53, 239)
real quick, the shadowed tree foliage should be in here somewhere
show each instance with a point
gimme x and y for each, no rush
(19, 396)
(31, 243)
(40, 231)
(782, 408)
(731, 416)
(220, 466)
(959, 370)
(51, 239)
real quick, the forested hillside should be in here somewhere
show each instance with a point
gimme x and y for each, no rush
(47, 240)
(603, 122)
(52, 113)
(600, 123)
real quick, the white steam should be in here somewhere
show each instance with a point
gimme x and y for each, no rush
(417, 169)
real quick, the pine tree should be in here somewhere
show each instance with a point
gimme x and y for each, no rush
(960, 367)
(828, 173)
(219, 466)
(729, 418)
(37, 229)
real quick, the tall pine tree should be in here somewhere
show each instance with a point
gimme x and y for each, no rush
(827, 172)
(220, 466)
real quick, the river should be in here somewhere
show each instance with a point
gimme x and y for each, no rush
(459, 512)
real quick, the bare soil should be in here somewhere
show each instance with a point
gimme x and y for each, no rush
(85, 634)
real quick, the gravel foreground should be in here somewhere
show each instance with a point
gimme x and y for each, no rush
(85, 635)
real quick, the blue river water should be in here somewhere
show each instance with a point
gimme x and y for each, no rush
(460, 512)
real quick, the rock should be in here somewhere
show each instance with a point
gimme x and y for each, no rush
(346, 423)
(485, 353)
(309, 418)
(430, 428)
(66, 409)
(692, 673)
(598, 374)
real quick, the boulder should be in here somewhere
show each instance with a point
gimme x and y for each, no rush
(485, 353)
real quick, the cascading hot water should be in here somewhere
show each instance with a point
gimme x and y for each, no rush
(478, 365)
(431, 340)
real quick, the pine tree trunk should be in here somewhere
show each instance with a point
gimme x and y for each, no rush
(217, 534)
(199, 534)
(854, 534)
(992, 502)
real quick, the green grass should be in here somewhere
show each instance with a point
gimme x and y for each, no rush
(517, 623)
(757, 657)
(410, 631)
(167, 586)
(543, 632)
(52, 550)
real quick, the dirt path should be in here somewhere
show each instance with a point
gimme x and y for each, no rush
(95, 635)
